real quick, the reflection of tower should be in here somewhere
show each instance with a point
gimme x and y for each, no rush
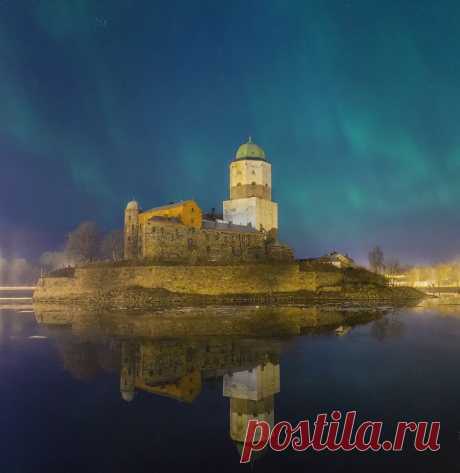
(251, 396)
(131, 233)
(128, 370)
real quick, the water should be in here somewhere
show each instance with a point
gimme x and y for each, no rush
(90, 393)
(15, 295)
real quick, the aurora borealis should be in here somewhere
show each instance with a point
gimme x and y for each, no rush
(356, 104)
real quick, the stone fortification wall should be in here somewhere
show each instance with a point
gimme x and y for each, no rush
(199, 280)
(129, 286)
(168, 241)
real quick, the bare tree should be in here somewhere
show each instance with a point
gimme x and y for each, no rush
(393, 266)
(376, 261)
(454, 273)
(18, 271)
(112, 245)
(83, 243)
(51, 260)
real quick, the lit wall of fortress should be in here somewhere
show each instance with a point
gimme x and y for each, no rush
(198, 280)
(140, 285)
(167, 241)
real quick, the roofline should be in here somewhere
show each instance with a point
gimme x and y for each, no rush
(249, 158)
(175, 204)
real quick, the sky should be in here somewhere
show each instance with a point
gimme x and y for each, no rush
(355, 102)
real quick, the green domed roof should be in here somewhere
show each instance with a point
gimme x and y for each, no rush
(250, 150)
(132, 205)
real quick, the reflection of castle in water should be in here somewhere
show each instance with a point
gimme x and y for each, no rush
(177, 369)
(174, 355)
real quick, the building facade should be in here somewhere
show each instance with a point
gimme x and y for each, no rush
(177, 232)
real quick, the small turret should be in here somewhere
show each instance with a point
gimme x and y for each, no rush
(131, 233)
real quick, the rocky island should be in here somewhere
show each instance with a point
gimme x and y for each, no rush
(176, 254)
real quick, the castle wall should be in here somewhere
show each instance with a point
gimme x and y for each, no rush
(203, 280)
(112, 286)
(167, 241)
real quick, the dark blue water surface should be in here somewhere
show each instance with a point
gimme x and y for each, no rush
(85, 399)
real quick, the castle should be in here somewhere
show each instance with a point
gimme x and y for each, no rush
(180, 232)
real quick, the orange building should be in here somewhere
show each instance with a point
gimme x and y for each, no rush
(186, 211)
(184, 389)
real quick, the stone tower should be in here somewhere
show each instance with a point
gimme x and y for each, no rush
(252, 396)
(250, 200)
(131, 233)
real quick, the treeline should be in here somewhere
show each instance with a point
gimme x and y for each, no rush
(85, 244)
(441, 275)
(379, 264)
(18, 272)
